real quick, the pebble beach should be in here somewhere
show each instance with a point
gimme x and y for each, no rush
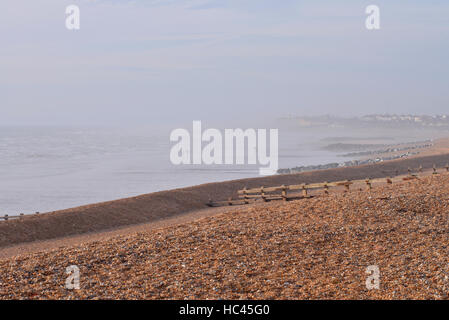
(315, 248)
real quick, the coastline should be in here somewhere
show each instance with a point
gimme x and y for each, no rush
(361, 154)
(274, 250)
(172, 204)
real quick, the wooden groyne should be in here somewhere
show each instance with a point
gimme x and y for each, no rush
(301, 191)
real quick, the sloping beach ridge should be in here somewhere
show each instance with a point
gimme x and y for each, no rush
(158, 206)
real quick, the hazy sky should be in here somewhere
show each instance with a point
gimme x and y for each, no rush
(151, 61)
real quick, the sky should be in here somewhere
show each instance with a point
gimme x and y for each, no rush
(158, 61)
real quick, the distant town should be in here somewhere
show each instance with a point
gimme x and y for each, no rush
(378, 120)
(423, 120)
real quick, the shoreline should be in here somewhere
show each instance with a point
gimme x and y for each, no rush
(173, 204)
(277, 250)
(361, 154)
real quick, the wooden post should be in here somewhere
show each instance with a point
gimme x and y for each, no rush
(304, 190)
(326, 188)
(262, 193)
(284, 193)
(245, 195)
(434, 170)
(368, 184)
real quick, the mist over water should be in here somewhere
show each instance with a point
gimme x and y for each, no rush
(50, 168)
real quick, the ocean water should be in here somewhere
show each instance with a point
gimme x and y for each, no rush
(49, 168)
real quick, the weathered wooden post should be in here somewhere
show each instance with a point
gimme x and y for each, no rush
(262, 193)
(284, 193)
(347, 185)
(326, 188)
(245, 195)
(434, 170)
(304, 190)
(368, 184)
